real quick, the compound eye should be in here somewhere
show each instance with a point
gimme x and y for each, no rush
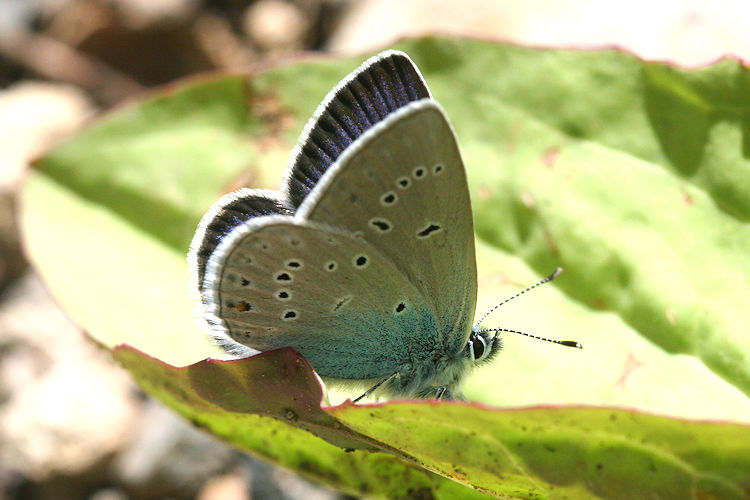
(478, 346)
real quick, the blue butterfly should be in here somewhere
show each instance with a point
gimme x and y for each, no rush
(365, 262)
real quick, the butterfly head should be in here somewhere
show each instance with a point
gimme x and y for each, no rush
(482, 347)
(440, 374)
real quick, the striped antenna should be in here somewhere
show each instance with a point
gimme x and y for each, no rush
(476, 329)
(540, 282)
(567, 343)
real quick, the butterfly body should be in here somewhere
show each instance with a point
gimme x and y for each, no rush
(365, 263)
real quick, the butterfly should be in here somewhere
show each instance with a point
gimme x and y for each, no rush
(364, 263)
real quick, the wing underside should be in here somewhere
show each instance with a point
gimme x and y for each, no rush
(402, 188)
(366, 262)
(331, 296)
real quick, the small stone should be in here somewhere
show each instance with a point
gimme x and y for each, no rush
(229, 486)
(142, 14)
(275, 25)
(66, 407)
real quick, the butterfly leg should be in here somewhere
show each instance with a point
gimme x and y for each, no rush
(372, 389)
(436, 392)
(442, 393)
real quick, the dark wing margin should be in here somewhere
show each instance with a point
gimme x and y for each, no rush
(228, 213)
(382, 85)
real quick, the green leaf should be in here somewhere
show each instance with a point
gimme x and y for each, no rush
(632, 176)
(381, 449)
(280, 418)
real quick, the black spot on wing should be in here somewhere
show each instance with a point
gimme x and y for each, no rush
(427, 231)
(377, 91)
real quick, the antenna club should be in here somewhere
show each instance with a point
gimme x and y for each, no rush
(571, 343)
(566, 343)
(555, 274)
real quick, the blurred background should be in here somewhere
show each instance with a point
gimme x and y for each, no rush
(72, 424)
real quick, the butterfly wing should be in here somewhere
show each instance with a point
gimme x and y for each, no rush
(276, 281)
(231, 211)
(377, 169)
(402, 188)
(380, 86)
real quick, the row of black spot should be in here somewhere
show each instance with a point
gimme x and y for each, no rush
(290, 314)
(390, 198)
(360, 261)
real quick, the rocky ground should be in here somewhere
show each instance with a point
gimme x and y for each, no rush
(61, 61)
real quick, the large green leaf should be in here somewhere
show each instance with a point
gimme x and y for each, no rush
(261, 404)
(632, 176)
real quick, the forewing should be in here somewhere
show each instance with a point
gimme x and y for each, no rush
(402, 188)
(337, 300)
(380, 86)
